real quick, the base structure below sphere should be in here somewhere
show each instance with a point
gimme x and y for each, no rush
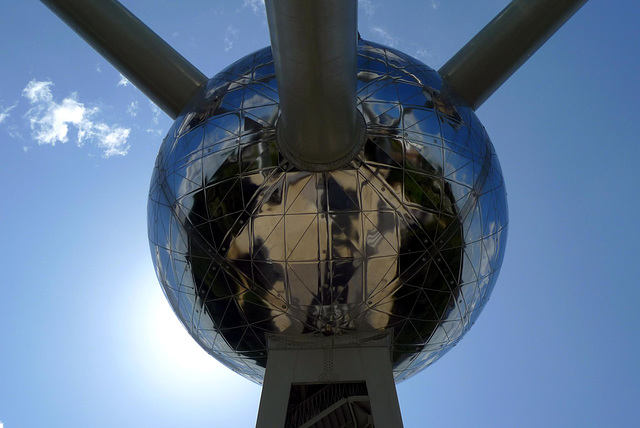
(330, 381)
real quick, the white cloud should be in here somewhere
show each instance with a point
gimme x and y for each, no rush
(98, 69)
(230, 37)
(50, 121)
(38, 91)
(435, 4)
(4, 114)
(133, 109)
(257, 6)
(385, 36)
(123, 81)
(112, 139)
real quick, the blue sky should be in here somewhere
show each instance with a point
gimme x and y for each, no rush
(87, 339)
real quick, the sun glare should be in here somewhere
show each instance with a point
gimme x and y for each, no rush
(173, 345)
(162, 349)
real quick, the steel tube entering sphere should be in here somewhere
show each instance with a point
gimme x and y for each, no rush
(314, 44)
(406, 239)
(153, 66)
(500, 48)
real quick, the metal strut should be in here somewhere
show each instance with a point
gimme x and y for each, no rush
(154, 67)
(503, 45)
(315, 44)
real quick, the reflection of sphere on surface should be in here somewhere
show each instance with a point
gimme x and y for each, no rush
(409, 237)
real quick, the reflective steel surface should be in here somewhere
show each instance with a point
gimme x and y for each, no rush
(409, 237)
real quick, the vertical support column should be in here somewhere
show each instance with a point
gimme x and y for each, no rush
(330, 360)
(315, 44)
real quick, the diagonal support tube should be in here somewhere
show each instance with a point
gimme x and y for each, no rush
(500, 48)
(154, 67)
(314, 44)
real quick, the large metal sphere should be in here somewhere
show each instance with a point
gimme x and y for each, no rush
(408, 238)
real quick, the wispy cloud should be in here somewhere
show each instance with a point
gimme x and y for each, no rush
(4, 113)
(155, 119)
(123, 81)
(156, 112)
(50, 121)
(153, 131)
(425, 54)
(435, 3)
(230, 37)
(13, 132)
(385, 37)
(367, 6)
(133, 109)
(257, 6)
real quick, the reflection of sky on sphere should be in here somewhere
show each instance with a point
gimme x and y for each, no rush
(409, 237)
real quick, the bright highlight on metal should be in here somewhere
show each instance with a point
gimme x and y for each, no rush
(154, 67)
(314, 45)
(500, 48)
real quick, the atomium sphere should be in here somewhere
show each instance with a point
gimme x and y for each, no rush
(408, 238)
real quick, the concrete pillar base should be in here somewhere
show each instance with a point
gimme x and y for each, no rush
(342, 378)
